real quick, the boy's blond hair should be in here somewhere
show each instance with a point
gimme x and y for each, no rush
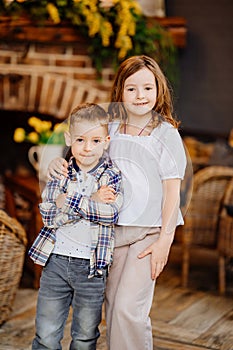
(89, 112)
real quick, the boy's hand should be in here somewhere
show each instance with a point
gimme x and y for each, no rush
(60, 200)
(105, 194)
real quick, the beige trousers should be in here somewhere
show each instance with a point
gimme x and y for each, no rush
(129, 296)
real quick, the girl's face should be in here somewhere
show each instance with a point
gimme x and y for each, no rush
(140, 92)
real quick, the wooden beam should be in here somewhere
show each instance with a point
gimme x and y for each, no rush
(175, 25)
(24, 30)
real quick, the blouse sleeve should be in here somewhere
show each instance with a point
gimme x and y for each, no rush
(172, 162)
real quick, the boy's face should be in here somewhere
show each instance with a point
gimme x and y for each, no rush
(88, 140)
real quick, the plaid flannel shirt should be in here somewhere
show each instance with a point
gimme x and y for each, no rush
(102, 216)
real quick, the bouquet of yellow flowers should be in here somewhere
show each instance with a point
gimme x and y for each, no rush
(114, 29)
(43, 133)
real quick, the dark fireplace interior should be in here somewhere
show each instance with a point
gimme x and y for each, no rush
(14, 156)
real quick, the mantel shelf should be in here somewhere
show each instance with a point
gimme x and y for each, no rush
(23, 30)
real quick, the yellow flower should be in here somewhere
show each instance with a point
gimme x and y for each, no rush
(106, 32)
(94, 24)
(122, 53)
(19, 135)
(136, 7)
(33, 137)
(39, 125)
(43, 126)
(53, 13)
(132, 28)
(43, 132)
(33, 121)
(60, 127)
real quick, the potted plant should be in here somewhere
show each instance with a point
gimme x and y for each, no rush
(48, 142)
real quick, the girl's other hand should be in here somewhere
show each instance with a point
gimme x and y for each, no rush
(159, 252)
(105, 194)
(58, 168)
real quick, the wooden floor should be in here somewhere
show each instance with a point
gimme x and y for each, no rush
(196, 318)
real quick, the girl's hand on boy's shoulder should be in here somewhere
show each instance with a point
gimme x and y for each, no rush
(58, 168)
(105, 194)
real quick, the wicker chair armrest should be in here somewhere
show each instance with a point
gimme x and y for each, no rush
(14, 226)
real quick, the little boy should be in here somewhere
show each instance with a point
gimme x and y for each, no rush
(76, 243)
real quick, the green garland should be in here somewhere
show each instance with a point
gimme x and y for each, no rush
(114, 33)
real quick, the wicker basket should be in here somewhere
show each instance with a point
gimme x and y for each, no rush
(12, 252)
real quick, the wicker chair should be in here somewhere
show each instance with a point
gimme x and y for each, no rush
(225, 236)
(12, 252)
(202, 217)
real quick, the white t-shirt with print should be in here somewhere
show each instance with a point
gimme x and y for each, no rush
(74, 239)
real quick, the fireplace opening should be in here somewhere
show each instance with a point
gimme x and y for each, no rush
(14, 156)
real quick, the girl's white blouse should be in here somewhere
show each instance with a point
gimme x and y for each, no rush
(145, 161)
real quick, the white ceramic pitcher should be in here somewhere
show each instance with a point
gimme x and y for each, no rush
(41, 155)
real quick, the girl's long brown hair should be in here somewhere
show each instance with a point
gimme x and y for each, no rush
(163, 106)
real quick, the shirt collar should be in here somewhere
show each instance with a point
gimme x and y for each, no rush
(73, 168)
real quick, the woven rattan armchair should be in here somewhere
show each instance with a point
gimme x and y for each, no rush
(225, 236)
(202, 217)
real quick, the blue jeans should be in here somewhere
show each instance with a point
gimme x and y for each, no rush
(64, 282)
